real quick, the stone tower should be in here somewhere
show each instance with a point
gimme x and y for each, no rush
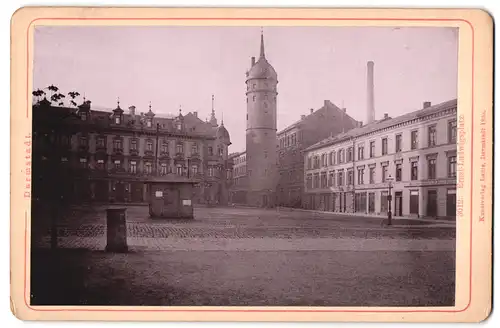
(261, 139)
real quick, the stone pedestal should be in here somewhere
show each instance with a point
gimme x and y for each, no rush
(116, 230)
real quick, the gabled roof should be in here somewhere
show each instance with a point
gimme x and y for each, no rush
(327, 105)
(384, 123)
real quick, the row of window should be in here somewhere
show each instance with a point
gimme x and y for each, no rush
(163, 168)
(342, 155)
(318, 180)
(365, 202)
(240, 170)
(254, 86)
(134, 145)
(289, 140)
(238, 160)
(118, 120)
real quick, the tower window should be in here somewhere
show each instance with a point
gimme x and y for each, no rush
(265, 97)
(265, 105)
(254, 85)
(253, 98)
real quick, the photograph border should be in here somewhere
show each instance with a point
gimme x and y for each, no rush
(246, 15)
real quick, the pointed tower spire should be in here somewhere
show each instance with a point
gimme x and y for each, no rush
(213, 119)
(222, 119)
(262, 53)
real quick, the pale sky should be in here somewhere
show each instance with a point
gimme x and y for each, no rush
(184, 66)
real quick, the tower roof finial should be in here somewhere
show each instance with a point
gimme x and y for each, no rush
(118, 102)
(222, 119)
(262, 53)
(150, 105)
(213, 110)
(213, 120)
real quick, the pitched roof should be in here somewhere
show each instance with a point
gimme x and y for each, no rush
(327, 105)
(384, 123)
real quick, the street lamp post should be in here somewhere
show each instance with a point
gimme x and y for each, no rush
(389, 200)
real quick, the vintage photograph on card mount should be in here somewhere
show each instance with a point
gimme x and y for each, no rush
(248, 165)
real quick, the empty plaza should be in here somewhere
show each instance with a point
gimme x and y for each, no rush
(246, 256)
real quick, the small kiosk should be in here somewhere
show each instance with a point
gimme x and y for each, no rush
(170, 196)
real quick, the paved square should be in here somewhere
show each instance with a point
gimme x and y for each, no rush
(240, 256)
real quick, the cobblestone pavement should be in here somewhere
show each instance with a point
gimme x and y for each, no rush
(87, 229)
(262, 244)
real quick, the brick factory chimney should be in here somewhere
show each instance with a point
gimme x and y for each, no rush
(131, 110)
(370, 93)
(427, 104)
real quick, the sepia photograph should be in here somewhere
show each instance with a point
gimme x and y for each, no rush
(244, 166)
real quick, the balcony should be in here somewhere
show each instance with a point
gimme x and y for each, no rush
(179, 156)
(149, 153)
(134, 152)
(164, 155)
(195, 157)
(214, 157)
(100, 148)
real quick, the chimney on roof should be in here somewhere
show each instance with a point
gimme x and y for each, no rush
(131, 110)
(386, 116)
(302, 117)
(195, 114)
(344, 110)
(360, 124)
(370, 93)
(427, 104)
(253, 61)
(312, 110)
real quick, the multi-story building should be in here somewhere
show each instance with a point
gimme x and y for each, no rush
(329, 120)
(115, 152)
(416, 153)
(239, 186)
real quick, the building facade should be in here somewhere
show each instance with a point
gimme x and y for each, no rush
(329, 120)
(415, 153)
(261, 97)
(112, 154)
(239, 186)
